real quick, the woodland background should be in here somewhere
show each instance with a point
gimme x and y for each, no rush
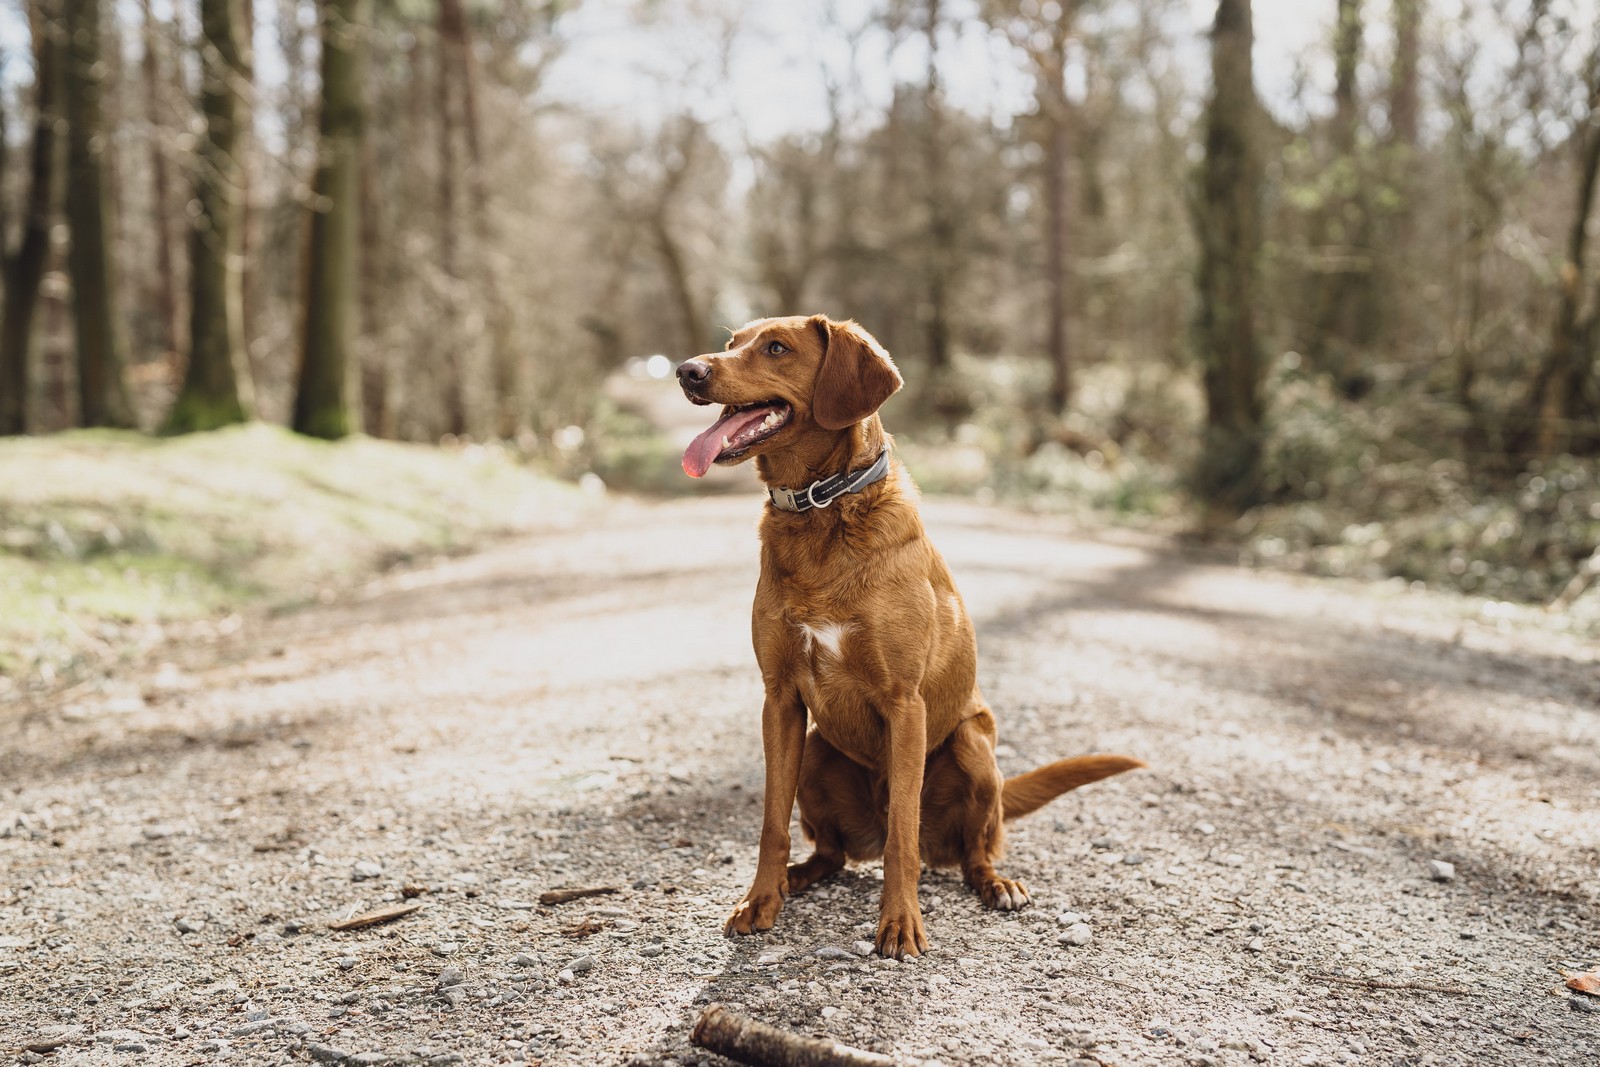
(1351, 328)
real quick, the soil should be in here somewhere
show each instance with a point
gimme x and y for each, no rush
(580, 708)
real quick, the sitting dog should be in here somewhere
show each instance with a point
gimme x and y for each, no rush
(858, 622)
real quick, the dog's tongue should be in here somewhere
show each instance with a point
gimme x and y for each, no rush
(703, 450)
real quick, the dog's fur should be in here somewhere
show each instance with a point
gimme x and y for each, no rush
(857, 620)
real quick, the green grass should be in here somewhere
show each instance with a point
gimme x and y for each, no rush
(102, 533)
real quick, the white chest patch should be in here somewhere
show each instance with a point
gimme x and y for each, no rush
(829, 635)
(955, 610)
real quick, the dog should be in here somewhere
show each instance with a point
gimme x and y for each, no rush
(858, 623)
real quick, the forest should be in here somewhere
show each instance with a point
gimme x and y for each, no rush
(1347, 325)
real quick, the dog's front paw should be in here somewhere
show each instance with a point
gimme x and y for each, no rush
(900, 933)
(757, 911)
(1004, 894)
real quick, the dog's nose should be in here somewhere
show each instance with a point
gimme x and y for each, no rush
(693, 372)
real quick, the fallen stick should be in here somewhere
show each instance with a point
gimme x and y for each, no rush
(561, 896)
(1384, 983)
(374, 918)
(759, 1045)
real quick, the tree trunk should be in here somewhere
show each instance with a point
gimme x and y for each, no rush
(1558, 389)
(249, 217)
(455, 402)
(1055, 110)
(1346, 61)
(503, 355)
(940, 225)
(164, 281)
(1403, 95)
(102, 382)
(1228, 226)
(24, 271)
(210, 395)
(320, 407)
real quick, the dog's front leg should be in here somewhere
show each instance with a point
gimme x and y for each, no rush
(900, 931)
(783, 738)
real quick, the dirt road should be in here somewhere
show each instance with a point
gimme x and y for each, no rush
(580, 708)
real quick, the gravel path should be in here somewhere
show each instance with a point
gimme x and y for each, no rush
(1355, 793)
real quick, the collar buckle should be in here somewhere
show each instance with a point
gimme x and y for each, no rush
(824, 491)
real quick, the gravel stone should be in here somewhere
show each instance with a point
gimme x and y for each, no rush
(1441, 870)
(365, 871)
(1579, 1002)
(326, 1053)
(189, 926)
(831, 952)
(581, 965)
(862, 948)
(347, 963)
(653, 950)
(1077, 934)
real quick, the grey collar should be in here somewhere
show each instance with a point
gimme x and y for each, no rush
(824, 491)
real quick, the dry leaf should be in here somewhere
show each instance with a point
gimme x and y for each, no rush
(1587, 982)
(584, 929)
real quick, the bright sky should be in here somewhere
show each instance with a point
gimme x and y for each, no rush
(773, 85)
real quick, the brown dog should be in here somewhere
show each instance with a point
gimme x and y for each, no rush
(857, 620)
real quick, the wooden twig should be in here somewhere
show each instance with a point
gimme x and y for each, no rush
(1384, 983)
(374, 918)
(561, 896)
(759, 1045)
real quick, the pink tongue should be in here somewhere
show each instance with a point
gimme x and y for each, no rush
(703, 450)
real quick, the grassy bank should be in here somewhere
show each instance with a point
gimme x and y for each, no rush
(107, 540)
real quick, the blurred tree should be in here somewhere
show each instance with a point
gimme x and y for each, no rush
(102, 384)
(1346, 315)
(24, 267)
(1566, 387)
(1043, 32)
(1404, 98)
(162, 280)
(320, 405)
(1228, 224)
(210, 395)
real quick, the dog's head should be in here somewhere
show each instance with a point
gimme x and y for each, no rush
(784, 377)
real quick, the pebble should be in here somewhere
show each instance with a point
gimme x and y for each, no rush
(829, 1012)
(158, 832)
(1441, 870)
(1103, 842)
(189, 926)
(862, 948)
(581, 965)
(129, 1046)
(448, 977)
(369, 1059)
(831, 952)
(365, 871)
(652, 950)
(522, 959)
(347, 963)
(1133, 859)
(566, 975)
(1077, 934)
(767, 959)
(1206, 828)
(1579, 1002)
(327, 1053)
(256, 1027)
(446, 948)
(1069, 918)
(1256, 945)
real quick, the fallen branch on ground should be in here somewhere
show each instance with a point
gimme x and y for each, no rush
(759, 1045)
(561, 896)
(373, 918)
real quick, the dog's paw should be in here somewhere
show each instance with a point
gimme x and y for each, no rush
(1004, 895)
(900, 933)
(756, 912)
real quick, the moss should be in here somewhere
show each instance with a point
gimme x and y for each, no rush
(105, 528)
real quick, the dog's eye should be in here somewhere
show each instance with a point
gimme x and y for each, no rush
(776, 348)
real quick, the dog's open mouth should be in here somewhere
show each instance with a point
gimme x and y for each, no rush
(734, 433)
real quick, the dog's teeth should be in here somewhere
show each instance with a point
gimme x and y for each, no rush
(726, 443)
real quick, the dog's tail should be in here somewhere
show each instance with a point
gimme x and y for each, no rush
(1033, 790)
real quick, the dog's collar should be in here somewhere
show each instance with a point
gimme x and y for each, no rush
(824, 491)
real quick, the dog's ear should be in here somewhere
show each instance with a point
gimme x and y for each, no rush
(855, 378)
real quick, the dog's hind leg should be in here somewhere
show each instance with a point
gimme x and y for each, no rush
(962, 823)
(838, 813)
